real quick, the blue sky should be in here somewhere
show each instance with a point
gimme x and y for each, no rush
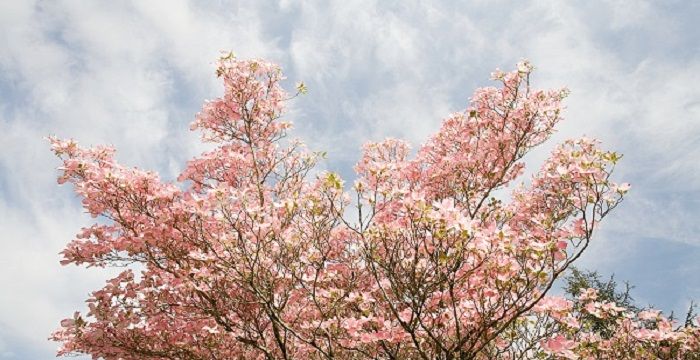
(133, 74)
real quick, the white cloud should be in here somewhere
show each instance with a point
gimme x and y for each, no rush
(108, 73)
(134, 75)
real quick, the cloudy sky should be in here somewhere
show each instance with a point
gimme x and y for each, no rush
(133, 74)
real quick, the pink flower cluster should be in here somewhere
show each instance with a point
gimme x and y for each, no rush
(250, 257)
(603, 330)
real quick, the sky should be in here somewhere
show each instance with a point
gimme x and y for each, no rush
(134, 74)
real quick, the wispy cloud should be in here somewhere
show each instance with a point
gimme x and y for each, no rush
(134, 74)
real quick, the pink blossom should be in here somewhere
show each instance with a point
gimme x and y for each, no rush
(254, 254)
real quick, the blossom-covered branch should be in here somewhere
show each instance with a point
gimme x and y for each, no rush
(248, 256)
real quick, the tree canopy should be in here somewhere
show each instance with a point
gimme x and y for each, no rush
(251, 254)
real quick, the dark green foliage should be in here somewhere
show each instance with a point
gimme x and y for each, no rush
(609, 291)
(578, 280)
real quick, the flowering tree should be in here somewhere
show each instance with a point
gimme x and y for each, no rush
(248, 258)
